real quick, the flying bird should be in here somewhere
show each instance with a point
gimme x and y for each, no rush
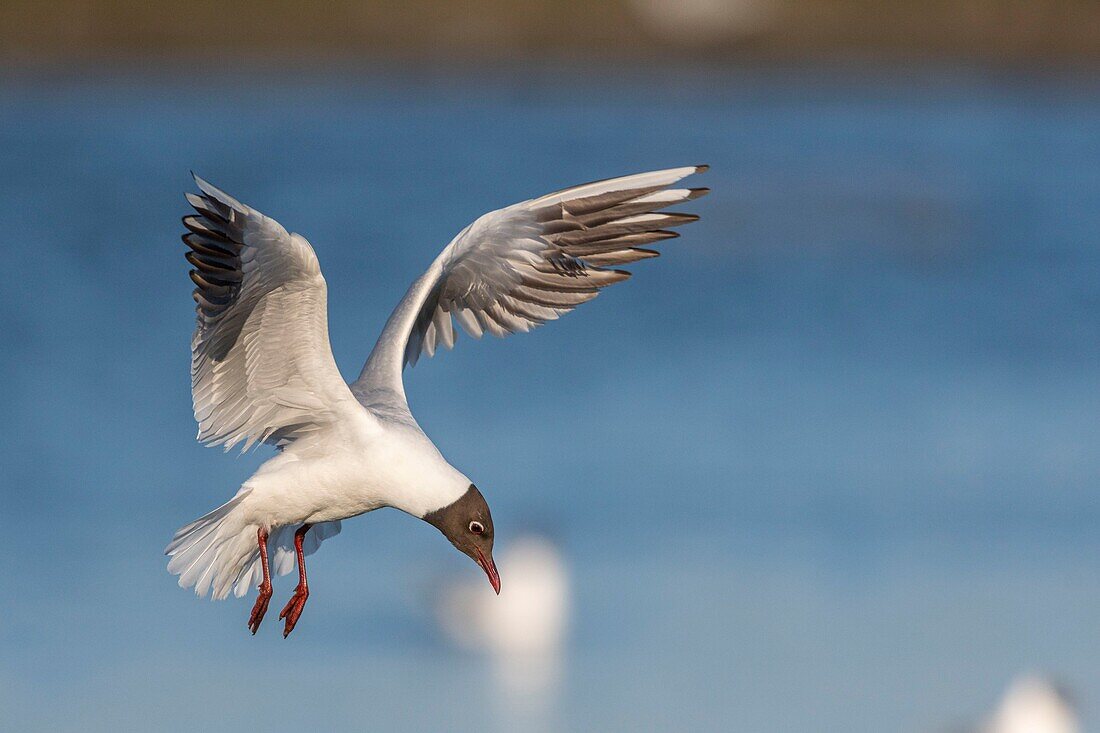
(262, 370)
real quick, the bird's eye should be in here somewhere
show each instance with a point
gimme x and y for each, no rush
(477, 527)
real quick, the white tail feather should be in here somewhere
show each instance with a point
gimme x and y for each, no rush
(218, 552)
(215, 552)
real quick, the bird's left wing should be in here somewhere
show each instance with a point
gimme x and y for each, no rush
(516, 268)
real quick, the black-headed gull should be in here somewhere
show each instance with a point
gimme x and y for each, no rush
(262, 369)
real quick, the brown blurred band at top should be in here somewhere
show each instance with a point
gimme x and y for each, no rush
(279, 31)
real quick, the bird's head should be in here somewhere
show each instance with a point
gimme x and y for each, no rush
(468, 525)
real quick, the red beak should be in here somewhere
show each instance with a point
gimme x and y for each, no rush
(490, 569)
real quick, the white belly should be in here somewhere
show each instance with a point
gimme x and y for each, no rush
(395, 468)
(292, 490)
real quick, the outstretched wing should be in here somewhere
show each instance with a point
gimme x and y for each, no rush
(516, 268)
(261, 365)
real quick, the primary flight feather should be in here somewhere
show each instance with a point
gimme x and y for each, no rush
(262, 370)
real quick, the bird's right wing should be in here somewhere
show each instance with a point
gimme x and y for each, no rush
(261, 366)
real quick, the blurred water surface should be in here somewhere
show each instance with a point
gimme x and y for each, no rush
(829, 464)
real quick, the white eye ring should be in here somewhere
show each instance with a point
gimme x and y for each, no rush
(477, 527)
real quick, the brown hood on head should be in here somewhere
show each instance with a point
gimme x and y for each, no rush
(468, 525)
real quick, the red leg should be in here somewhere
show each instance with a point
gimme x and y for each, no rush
(264, 596)
(293, 609)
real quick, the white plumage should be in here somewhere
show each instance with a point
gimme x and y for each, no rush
(263, 371)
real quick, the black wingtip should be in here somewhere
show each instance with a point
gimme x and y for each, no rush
(702, 168)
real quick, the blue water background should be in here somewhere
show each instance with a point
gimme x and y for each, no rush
(831, 463)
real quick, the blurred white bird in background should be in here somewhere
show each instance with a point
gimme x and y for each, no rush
(523, 631)
(1033, 705)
